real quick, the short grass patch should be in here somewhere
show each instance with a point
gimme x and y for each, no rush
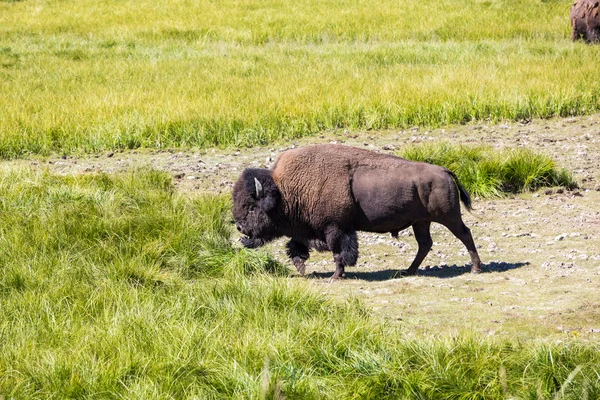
(116, 286)
(487, 172)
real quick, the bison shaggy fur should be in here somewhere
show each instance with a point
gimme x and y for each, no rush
(320, 196)
(585, 21)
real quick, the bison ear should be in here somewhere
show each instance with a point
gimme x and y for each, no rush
(267, 194)
(259, 189)
(268, 202)
(259, 184)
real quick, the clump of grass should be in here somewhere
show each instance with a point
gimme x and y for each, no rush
(114, 286)
(486, 172)
(525, 169)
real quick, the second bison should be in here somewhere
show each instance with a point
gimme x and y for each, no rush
(320, 196)
(585, 21)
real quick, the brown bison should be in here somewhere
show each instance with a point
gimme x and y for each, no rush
(585, 21)
(321, 195)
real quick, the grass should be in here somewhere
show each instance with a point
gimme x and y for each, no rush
(487, 172)
(115, 286)
(88, 76)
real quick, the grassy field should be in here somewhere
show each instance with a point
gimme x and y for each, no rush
(116, 286)
(120, 286)
(90, 76)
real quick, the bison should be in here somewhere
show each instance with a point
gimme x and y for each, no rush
(321, 195)
(585, 21)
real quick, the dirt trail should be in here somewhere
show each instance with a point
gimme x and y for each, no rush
(541, 251)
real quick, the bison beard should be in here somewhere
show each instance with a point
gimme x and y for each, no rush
(320, 196)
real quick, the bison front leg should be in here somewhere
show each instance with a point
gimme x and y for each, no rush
(344, 245)
(423, 236)
(298, 252)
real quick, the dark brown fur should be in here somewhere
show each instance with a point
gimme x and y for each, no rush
(585, 21)
(320, 196)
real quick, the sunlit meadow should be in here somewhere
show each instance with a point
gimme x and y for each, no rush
(89, 76)
(117, 286)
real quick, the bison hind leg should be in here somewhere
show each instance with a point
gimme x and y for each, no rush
(593, 36)
(423, 236)
(463, 233)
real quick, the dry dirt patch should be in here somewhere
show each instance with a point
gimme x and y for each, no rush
(541, 250)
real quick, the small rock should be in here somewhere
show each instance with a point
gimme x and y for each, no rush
(109, 155)
(191, 177)
(560, 237)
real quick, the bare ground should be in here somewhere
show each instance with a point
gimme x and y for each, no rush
(541, 251)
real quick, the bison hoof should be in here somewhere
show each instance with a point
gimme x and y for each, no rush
(301, 269)
(300, 266)
(475, 270)
(336, 277)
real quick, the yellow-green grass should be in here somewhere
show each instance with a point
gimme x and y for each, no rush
(116, 286)
(89, 76)
(486, 172)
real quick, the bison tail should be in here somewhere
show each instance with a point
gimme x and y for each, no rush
(464, 195)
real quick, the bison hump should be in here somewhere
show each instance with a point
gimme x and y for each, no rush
(315, 184)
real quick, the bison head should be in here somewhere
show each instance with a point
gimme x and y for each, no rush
(255, 196)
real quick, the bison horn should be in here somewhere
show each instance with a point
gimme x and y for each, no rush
(259, 189)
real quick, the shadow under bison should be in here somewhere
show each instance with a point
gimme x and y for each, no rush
(442, 272)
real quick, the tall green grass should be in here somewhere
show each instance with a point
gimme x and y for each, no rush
(134, 225)
(487, 172)
(90, 76)
(115, 286)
